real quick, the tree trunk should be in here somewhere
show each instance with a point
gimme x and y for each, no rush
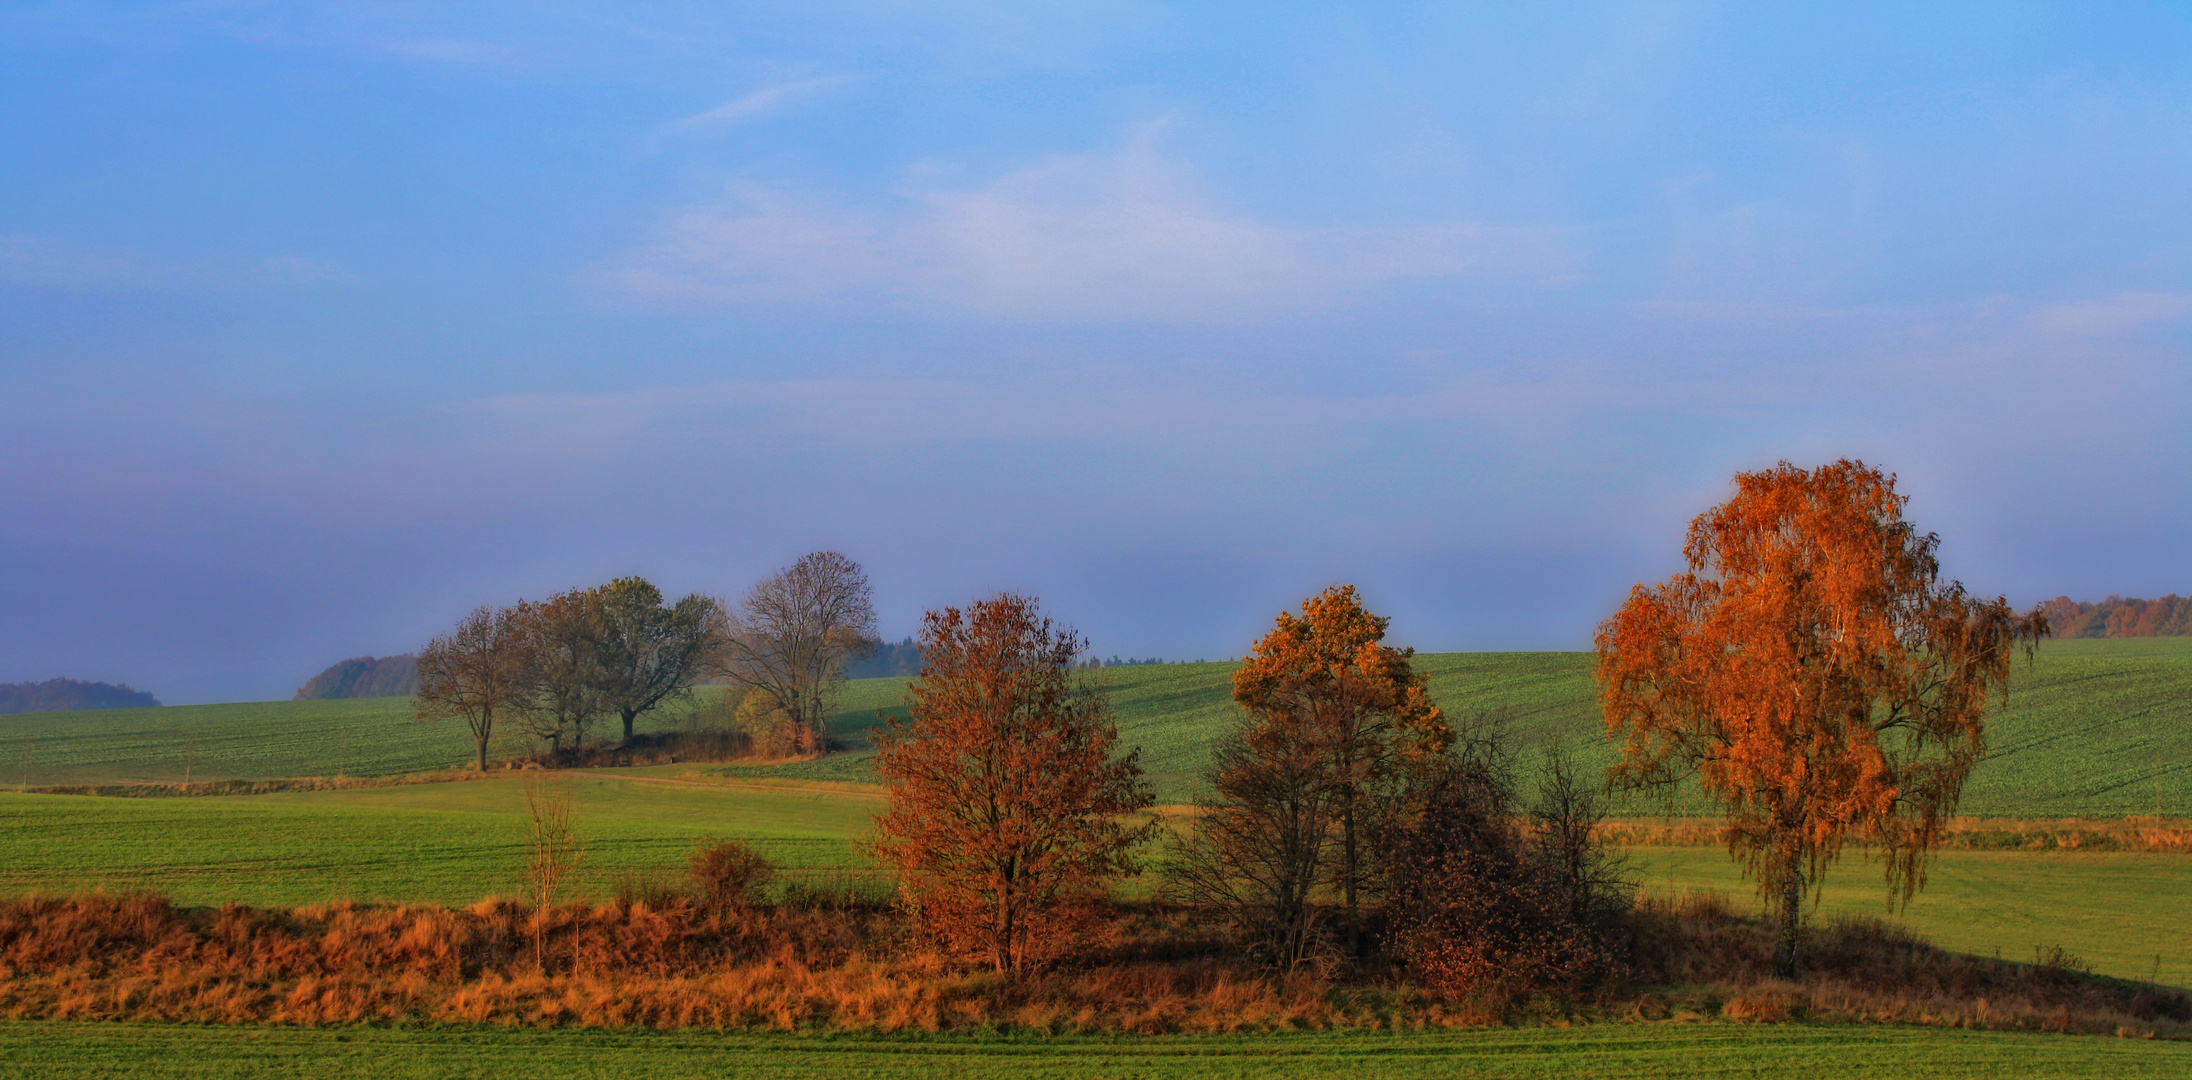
(1792, 915)
(1356, 943)
(628, 715)
(483, 753)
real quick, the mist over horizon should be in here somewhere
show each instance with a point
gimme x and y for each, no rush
(322, 325)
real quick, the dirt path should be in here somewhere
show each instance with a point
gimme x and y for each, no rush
(743, 785)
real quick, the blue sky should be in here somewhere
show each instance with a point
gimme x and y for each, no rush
(322, 323)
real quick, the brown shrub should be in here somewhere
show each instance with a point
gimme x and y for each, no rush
(729, 874)
(1482, 909)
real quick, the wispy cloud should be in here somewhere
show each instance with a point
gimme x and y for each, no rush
(2121, 312)
(764, 101)
(1127, 235)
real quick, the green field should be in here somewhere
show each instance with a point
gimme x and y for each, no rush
(76, 1051)
(425, 843)
(2121, 911)
(2093, 728)
(2096, 728)
(454, 843)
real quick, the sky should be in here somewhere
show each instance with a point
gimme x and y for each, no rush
(323, 323)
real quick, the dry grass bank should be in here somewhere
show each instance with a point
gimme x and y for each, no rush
(816, 964)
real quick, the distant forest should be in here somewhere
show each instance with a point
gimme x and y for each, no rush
(70, 695)
(2116, 617)
(903, 658)
(365, 676)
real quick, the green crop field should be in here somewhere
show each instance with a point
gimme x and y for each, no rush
(2093, 728)
(78, 1051)
(454, 843)
(427, 843)
(2128, 914)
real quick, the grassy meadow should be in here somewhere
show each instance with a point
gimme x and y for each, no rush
(454, 843)
(2095, 728)
(110, 1051)
(449, 844)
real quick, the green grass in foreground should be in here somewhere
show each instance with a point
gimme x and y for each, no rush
(76, 1051)
(2094, 728)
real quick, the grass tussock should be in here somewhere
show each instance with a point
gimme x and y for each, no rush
(823, 962)
(2148, 834)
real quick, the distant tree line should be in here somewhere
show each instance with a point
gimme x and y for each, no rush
(364, 677)
(891, 659)
(555, 668)
(71, 695)
(2117, 617)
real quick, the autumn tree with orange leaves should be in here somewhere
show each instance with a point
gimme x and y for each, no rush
(1005, 796)
(1814, 674)
(1332, 714)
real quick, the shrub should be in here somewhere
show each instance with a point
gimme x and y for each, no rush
(1481, 907)
(729, 874)
(769, 728)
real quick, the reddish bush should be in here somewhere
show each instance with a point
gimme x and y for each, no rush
(729, 874)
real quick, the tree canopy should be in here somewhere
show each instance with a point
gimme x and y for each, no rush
(1005, 796)
(645, 651)
(473, 673)
(1814, 674)
(793, 633)
(1331, 716)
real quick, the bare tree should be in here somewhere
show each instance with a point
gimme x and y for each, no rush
(793, 633)
(473, 672)
(553, 851)
(561, 675)
(647, 652)
(1260, 846)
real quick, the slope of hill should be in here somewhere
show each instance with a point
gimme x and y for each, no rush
(2093, 728)
(364, 677)
(71, 695)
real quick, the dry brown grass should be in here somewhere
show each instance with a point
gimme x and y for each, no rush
(615, 964)
(856, 967)
(2158, 834)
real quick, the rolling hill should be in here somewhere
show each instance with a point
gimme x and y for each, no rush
(2092, 728)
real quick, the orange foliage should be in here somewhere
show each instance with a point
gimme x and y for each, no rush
(1004, 794)
(1326, 685)
(1813, 673)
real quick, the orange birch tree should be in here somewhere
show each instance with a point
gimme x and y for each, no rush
(1814, 674)
(1005, 798)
